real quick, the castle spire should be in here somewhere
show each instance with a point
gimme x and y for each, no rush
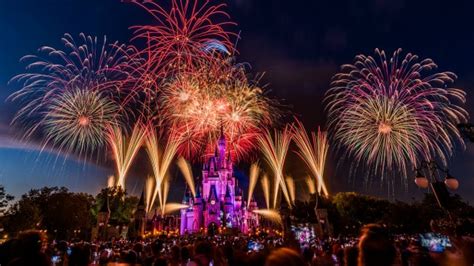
(141, 202)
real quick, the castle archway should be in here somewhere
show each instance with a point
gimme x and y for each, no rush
(212, 229)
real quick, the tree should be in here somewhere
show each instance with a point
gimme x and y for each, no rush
(62, 213)
(4, 200)
(122, 207)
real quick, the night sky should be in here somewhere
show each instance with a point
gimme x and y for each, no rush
(299, 45)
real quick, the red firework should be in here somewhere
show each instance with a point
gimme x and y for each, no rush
(186, 32)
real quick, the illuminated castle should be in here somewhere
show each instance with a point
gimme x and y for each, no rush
(218, 200)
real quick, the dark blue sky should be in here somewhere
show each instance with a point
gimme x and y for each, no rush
(298, 44)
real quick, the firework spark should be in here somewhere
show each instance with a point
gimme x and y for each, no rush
(149, 188)
(265, 182)
(187, 172)
(160, 159)
(394, 113)
(124, 151)
(111, 181)
(290, 184)
(202, 105)
(274, 150)
(311, 185)
(186, 32)
(313, 152)
(172, 207)
(271, 215)
(77, 121)
(72, 93)
(254, 172)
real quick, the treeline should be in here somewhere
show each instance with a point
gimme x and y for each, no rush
(348, 211)
(63, 214)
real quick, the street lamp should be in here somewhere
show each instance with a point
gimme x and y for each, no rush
(422, 182)
(439, 188)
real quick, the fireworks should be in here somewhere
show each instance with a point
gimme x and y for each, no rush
(271, 215)
(160, 159)
(254, 171)
(187, 172)
(290, 184)
(125, 151)
(265, 182)
(111, 181)
(172, 207)
(149, 188)
(274, 150)
(77, 120)
(202, 105)
(71, 93)
(186, 32)
(394, 113)
(313, 152)
(310, 184)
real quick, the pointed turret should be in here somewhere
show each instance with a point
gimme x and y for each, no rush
(141, 202)
(198, 191)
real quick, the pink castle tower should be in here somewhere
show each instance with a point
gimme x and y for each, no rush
(219, 203)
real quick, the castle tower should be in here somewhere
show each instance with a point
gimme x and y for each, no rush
(140, 216)
(198, 209)
(213, 208)
(218, 198)
(184, 225)
(228, 209)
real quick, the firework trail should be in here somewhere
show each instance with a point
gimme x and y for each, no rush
(265, 182)
(187, 172)
(274, 150)
(160, 159)
(76, 89)
(271, 215)
(254, 172)
(311, 185)
(149, 188)
(313, 152)
(394, 113)
(124, 151)
(290, 184)
(111, 181)
(172, 207)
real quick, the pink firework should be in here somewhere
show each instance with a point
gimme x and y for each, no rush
(392, 113)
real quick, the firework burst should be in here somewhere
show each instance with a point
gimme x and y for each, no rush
(81, 83)
(394, 113)
(77, 121)
(187, 31)
(202, 106)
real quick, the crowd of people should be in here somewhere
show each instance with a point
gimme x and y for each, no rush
(375, 246)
